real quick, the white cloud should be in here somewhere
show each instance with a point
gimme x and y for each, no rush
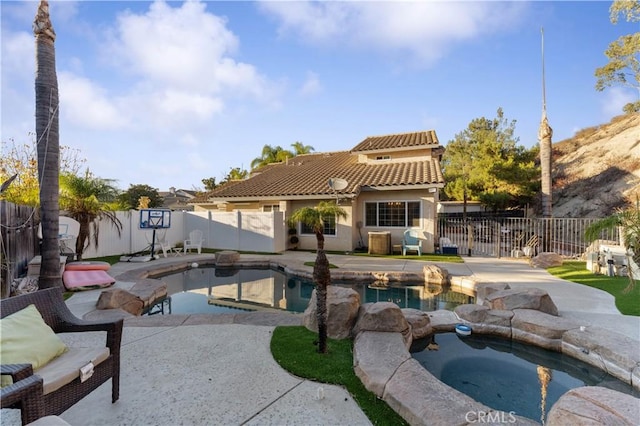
(311, 85)
(184, 48)
(615, 98)
(426, 30)
(87, 105)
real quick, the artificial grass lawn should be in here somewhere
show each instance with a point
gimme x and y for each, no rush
(627, 303)
(292, 347)
(431, 257)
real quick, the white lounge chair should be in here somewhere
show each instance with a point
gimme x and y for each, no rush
(194, 241)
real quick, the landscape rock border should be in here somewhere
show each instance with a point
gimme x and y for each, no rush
(393, 379)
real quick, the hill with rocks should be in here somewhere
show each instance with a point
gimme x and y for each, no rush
(597, 171)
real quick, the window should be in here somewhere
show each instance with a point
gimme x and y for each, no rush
(392, 213)
(383, 157)
(329, 226)
(271, 208)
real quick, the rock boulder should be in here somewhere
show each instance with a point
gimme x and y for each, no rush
(118, 298)
(546, 260)
(226, 258)
(383, 316)
(532, 298)
(435, 275)
(342, 311)
(419, 321)
(594, 405)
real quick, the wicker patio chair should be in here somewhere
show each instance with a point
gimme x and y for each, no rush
(25, 393)
(57, 315)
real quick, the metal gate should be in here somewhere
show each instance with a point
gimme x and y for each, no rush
(516, 236)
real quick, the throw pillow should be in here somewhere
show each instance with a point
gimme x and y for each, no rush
(26, 339)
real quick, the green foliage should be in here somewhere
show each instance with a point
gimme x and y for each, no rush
(209, 184)
(299, 148)
(628, 220)
(484, 163)
(130, 199)
(235, 173)
(87, 199)
(271, 155)
(22, 160)
(626, 301)
(430, 257)
(623, 67)
(278, 154)
(292, 348)
(314, 217)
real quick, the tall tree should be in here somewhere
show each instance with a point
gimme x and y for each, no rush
(484, 162)
(271, 155)
(545, 134)
(299, 148)
(315, 218)
(130, 199)
(209, 184)
(21, 160)
(47, 127)
(623, 67)
(88, 199)
(235, 173)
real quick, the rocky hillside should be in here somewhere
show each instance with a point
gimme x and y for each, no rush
(598, 170)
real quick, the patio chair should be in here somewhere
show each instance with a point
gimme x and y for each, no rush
(60, 380)
(194, 241)
(411, 242)
(25, 393)
(530, 247)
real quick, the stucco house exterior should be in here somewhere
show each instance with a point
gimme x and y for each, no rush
(391, 183)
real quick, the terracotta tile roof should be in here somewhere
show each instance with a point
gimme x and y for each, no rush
(396, 141)
(308, 175)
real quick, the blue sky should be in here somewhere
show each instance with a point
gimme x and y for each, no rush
(169, 93)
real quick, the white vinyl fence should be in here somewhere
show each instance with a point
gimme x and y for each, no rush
(254, 231)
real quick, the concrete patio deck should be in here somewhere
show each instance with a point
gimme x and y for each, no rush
(218, 369)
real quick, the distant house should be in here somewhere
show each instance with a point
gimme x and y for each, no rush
(177, 199)
(385, 183)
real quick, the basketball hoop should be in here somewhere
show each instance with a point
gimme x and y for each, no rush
(155, 219)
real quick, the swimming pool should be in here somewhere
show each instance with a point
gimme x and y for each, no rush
(509, 376)
(217, 290)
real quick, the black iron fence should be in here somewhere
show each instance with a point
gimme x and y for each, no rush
(517, 236)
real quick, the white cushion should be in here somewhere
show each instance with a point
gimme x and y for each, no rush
(66, 368)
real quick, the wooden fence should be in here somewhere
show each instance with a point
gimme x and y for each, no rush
(19, 230)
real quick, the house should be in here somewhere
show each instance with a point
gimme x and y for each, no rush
(177, 199)
(385, 183)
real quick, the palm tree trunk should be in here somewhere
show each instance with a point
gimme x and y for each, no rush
(322, 278)
(46, 90)
(545, 134)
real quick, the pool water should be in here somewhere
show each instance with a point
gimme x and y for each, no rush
(211, 290)
(508, 376)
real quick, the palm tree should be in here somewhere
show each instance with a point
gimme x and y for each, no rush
(48, 143)
(314, 217)
(87, 199)
(545, 134)
(271, 155)
(628, 221)
(299, 148)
